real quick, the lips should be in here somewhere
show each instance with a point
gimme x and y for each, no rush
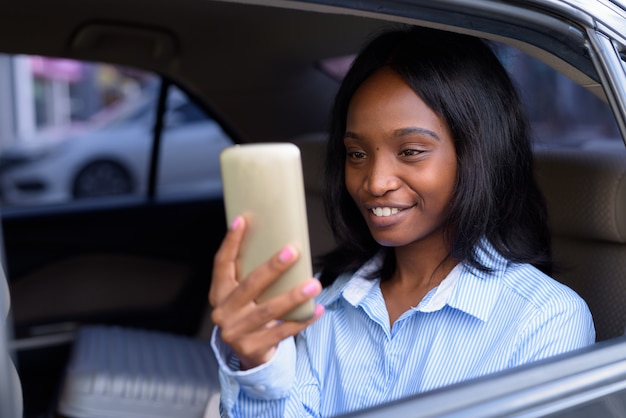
(383, 216)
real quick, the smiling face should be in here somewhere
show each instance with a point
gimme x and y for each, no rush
(401, 163)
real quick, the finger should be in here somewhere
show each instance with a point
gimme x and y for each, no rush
(252, 318)
(251, 287)
(232, 301)
(229, 249)
(257, 348)
(224, 278)
(279, 306)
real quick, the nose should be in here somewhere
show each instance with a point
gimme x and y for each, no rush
(381, 177)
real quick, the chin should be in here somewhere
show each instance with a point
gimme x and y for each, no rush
(390, 242)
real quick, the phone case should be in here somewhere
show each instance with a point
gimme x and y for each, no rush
(264, 183)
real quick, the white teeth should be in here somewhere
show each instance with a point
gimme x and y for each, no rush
(385, 211)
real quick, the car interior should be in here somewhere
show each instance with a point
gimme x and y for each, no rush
(10, 385)
(108, 297)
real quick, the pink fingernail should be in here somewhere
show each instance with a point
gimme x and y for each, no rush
(319, 309)
(311, 287)
(236, 223)
(286, 254)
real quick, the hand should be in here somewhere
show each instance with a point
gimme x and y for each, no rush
(253, 330)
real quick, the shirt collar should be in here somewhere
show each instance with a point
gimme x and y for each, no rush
(438, 297)
(477, 291)
(466, 288)
(352, 287)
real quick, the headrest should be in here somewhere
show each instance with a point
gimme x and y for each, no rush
(585, 190)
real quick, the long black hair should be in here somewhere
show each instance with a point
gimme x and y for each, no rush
(495, 197)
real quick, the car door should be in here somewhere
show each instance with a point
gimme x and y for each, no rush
(125, 259)
(584, 383)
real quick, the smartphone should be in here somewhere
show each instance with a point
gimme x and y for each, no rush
(264, 183)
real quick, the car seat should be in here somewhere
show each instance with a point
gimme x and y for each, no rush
(585, 190)
(117, 372)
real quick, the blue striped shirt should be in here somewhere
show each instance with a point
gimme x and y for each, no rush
(472, 324)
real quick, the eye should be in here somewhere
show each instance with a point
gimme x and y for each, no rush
(357, 155)
(410, 152)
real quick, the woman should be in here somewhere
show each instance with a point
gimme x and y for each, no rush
(440, 274)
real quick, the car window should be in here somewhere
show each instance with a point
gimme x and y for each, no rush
(561, 113)
(85, 130)
(188, 112)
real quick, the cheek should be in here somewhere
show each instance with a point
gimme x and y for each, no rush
(441, 183)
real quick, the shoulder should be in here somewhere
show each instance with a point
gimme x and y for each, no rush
(538, 289)
(549, 306)
(526, 283)
(554, 318)
(524, 297)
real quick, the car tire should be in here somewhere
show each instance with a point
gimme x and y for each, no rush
(102, 178)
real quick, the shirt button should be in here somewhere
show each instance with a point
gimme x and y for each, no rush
(260, 388)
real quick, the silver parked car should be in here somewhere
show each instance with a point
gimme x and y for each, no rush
(109, 155)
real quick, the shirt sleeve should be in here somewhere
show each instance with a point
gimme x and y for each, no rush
(258, 392)
(562, 326)
(270, 390)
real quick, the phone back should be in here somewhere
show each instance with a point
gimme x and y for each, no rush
(263, 182)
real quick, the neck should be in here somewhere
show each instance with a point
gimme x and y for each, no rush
(422, 264)
(419, 268)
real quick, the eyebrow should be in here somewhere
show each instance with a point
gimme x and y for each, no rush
(401, 132)
(415, 130)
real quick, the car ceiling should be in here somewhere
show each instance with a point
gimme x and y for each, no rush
(253, 65)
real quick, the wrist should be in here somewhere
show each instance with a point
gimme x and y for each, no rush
(247, 363)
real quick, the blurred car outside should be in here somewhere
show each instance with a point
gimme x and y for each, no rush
(109, 155)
